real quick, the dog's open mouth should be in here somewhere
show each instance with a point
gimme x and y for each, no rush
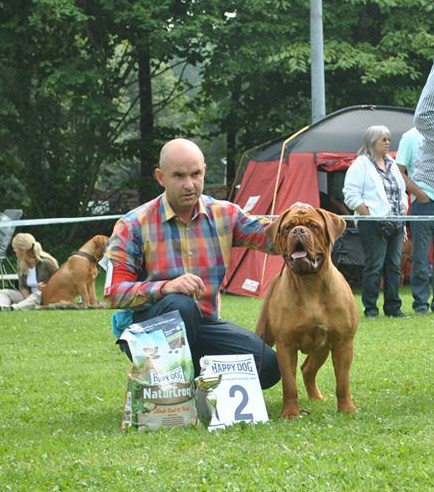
(300, 262)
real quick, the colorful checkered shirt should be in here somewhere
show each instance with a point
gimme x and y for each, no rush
(151, 245)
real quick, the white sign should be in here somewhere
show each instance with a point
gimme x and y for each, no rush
(250, 285)
(251, 202)
(238, 397)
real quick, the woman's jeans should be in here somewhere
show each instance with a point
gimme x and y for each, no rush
(382, 260)
(422, 235)
(209, 337)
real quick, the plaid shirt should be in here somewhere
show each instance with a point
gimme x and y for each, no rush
(151, 245)
(391, 186)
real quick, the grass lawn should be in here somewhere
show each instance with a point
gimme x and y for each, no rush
(62, 384)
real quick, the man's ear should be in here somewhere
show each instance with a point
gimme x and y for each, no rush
(159, 176)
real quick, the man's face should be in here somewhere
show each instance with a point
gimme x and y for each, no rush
(183, 179)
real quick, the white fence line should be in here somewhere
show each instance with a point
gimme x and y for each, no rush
(60, 220)
(67, 220)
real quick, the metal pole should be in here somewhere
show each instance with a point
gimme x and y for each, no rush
(317, 61)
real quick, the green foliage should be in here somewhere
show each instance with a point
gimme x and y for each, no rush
(90, 90)
(62, 384)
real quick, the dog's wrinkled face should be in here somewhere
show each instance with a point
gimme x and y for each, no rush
(304, 238)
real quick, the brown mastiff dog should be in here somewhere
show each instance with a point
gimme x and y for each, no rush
(309, 306)
(76, 277)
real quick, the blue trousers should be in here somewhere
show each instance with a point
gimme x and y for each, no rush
(209, 337)
(382, 259)
(422, 234)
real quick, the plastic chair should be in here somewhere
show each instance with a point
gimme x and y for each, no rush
(8, 274)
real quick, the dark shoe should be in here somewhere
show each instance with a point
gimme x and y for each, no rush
(398, 314)
(421, 310)
(371, 315)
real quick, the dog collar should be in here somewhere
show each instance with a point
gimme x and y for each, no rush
(85, 255)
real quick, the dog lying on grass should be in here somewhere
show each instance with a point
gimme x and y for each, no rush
(76, 277)
(309, 306)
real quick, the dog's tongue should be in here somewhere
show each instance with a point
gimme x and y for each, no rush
(298, 254)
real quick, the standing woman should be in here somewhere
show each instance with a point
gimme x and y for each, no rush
(35, 267)
(374, 186)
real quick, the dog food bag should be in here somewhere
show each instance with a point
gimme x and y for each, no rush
(160, 389)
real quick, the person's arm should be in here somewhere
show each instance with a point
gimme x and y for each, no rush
(412, 187)
(22, 285)
(250, 231)
(25, 292)
(123, 287)
(353, 187)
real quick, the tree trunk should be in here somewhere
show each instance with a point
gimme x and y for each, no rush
(148, 188)
(231, 127)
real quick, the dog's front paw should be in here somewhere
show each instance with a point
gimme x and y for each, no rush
(347, 406)
(290, 411)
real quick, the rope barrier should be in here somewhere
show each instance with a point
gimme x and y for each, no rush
(391, 218)
(67, 220)
(63, 220)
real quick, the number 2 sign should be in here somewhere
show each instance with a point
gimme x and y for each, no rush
(238, 396)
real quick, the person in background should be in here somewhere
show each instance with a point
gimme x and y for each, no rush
(423, 177)
(172, 254)
(406, 157)
(374, 186)
(35, 267)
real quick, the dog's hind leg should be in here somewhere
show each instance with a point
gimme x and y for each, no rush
(309, 369)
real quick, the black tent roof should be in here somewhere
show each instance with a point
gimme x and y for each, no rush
(343, 131)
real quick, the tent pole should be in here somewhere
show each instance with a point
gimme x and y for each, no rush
(317, 61)
(276, 187)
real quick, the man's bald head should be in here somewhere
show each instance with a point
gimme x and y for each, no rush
(179, 149)
(181, 173)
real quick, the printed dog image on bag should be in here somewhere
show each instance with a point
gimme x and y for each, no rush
(160, 391)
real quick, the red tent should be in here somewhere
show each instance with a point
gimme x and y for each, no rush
(308, 166)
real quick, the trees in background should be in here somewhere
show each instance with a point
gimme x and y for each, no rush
(90, 89)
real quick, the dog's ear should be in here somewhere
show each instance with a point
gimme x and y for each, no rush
(335, 224)
(274, 228)
(100, 242)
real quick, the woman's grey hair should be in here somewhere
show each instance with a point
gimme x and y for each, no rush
(372, 135)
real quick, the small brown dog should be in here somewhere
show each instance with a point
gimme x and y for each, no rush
(76, 277)
(309, 306)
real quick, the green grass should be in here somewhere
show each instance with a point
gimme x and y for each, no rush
(62, 384)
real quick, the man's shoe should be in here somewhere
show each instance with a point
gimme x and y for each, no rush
(398, 314)
(5, 307)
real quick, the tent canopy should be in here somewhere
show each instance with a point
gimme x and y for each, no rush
(303, 167)
(343, 130)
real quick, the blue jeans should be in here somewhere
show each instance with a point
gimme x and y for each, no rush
(422, 234)
(382, 259)
(209, 337)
